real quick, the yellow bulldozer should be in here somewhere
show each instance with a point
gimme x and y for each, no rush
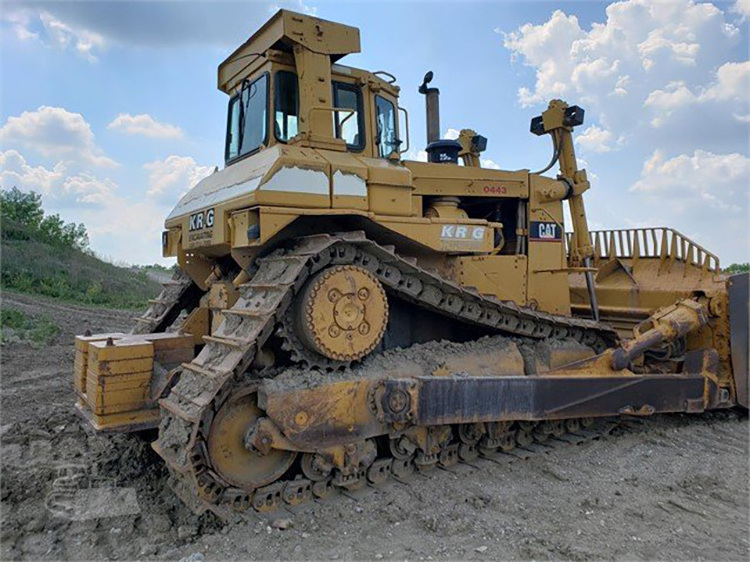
(342, 316)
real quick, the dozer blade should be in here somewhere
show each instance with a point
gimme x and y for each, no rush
(739, 311)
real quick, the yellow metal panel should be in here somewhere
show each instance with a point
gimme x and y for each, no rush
(105, 368)
(121, 380)
(389, 200)
(99, 398)
(272, 223)
(446, 179)
(80, 365)
(133, 420)
(171, 242)
(79, 372)
(314, 412)
(548, 287)
(221, 295)
(196, 324)
(131, 349)
(502, 276)
(384, 172)
(106, 409)
(299, 177)
(548, 280)
(349, 202)
(240, 221)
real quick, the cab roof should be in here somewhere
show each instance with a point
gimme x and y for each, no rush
(282, 32)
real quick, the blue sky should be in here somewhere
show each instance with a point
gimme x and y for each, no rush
(111, 109)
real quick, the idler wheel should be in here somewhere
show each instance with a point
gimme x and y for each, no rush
(342, 313)
(231, 460)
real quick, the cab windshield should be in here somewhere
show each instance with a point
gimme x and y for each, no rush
(247, 122)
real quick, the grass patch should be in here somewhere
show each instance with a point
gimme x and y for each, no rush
(43, 255)
(15, 326)
(68, 274)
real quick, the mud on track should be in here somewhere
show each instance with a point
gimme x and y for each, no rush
(678, 489)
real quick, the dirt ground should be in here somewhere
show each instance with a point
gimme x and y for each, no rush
(676, 489)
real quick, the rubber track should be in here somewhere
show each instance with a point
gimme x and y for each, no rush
(219, 369)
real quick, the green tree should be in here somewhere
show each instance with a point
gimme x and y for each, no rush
(737, 268)
(25, 210)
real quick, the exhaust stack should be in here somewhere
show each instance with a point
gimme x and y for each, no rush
(432, 103)
(438, 151)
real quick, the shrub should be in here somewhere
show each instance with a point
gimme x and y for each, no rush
(17, 326)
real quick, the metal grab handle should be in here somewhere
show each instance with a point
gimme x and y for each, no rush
(388, 74)
(406, 118)
(333, 110)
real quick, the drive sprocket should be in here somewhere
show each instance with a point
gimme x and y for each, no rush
(339, 317)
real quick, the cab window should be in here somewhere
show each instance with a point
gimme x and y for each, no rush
(286, 106)
(348, 96)
(247, 122)
(386, 122)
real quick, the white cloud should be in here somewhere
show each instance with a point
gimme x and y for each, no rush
(144, 124)
(87, 188)
(64, 36)
(452, 134)
(731, 85)
(703, 178)
(416, 155)
(663, 52)
(170, 179)
(741, 7)
(54, 132)
(16, 172)
(673, 96)
(121, 225)
(294, 5)
(51, 31)
(19, 21)
(656, 78)
(705, 195)
(125, 230)
(595, 139)
(56, 184)
(88, 28)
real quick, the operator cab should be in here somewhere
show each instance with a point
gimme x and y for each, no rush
(265, 110)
